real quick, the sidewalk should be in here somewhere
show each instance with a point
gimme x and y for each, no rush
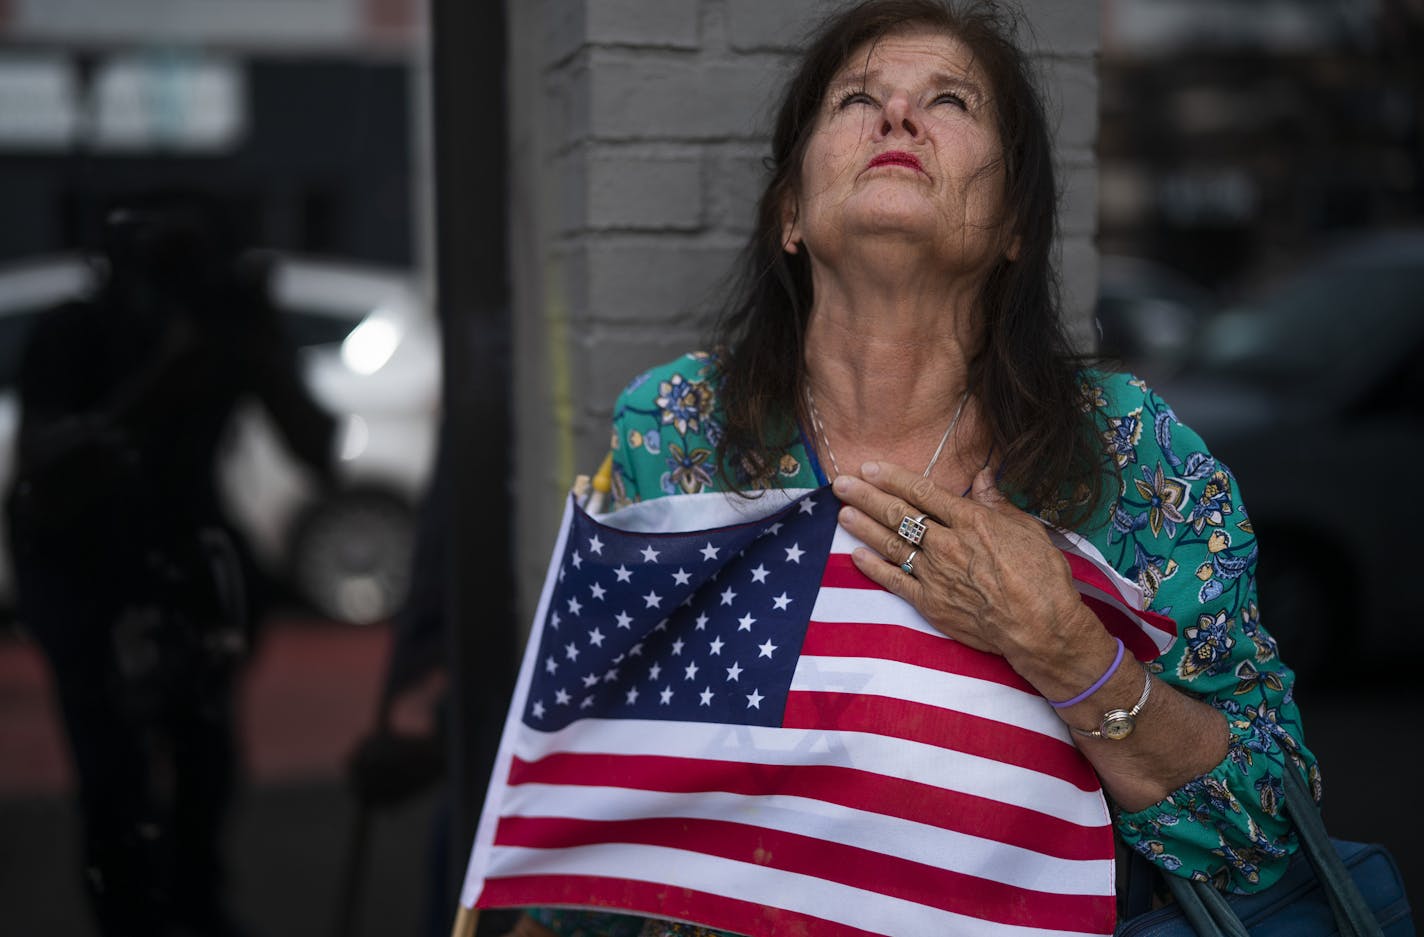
(309, 695)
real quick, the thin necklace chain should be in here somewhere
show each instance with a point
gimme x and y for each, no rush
(826, 440)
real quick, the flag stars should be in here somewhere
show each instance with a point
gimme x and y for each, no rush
(808, 506)
(754, 699)
(682, 577)
(734, 671)
(636, 650)
(538, 710)
(728, 596)
(595, 545)
(597, 590)
(701, 622)
(690, 671)
(767, 649)
(665, 697)
(710, 552)
(652, 599)
(624, 620)
(590, 680)
(706, 697)
(577, 560)
(760, 573)
(716, 646)
(595, 637)
(554, 620)
(575, 606)
(571, 650)
(550, 665)
(794, 554)
(745, 622)
(655, 671)
(650, 555)
(562, 697)
(677, 647)
(632, 696)
(781, 602)
(611, 675)
(587, 702)
(623, 573)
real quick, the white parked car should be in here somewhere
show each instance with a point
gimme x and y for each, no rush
(370, 351)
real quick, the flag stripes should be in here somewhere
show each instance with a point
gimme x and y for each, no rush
(941, 727)
(758, 747)
(850, 788)
(898, 642)
(815, 857)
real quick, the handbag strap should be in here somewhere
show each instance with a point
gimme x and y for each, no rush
(1211, 915)
(1352, 912)
(1205, 909)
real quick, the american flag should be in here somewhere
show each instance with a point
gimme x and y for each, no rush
(722, 721)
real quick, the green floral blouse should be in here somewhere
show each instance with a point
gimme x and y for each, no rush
(1177, 527)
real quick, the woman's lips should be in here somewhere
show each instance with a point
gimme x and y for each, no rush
(896, 158)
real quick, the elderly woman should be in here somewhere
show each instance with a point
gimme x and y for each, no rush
(896, 335)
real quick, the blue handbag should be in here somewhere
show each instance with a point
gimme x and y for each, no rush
(1332, 887)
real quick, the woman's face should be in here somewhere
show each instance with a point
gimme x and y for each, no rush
(905, 147)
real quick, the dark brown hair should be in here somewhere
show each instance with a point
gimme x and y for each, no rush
(1025, 371)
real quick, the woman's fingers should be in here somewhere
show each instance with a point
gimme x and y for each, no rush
(888, 494)
(1012, 559)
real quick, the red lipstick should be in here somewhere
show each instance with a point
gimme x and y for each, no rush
(896, 158)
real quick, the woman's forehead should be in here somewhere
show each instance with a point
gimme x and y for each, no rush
(936, 53)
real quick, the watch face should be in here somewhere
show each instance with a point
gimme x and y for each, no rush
(1118, 725)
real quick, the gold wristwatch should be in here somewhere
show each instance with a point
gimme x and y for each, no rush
(1118, 724)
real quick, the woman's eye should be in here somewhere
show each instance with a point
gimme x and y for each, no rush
(949, 97)
(855, 97)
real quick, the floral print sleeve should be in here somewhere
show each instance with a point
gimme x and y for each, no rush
(1179, 529)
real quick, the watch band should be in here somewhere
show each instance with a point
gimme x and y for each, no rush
(1117, 724)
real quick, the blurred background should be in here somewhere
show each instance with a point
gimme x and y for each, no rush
(1254, 249)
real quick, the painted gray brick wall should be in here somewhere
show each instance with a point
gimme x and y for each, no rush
(637, 133)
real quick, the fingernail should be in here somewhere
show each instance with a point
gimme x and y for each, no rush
(847, 515)
(870, 468)
(842, 484)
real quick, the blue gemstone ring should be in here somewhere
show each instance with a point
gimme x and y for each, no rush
(909, 565)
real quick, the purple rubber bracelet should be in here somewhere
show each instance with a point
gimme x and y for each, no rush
(1097, 684)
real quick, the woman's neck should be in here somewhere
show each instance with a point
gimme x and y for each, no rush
(888, 370)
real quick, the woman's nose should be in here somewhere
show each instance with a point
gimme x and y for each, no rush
(898, 116)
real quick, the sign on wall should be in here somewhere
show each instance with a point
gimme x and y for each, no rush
(264, 23)
(132, 102)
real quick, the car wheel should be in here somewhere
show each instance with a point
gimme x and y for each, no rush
(351, 557)
(1306, 609)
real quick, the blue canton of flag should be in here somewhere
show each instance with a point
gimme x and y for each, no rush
(700, 627)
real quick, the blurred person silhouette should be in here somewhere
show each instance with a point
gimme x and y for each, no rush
(131, 578)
